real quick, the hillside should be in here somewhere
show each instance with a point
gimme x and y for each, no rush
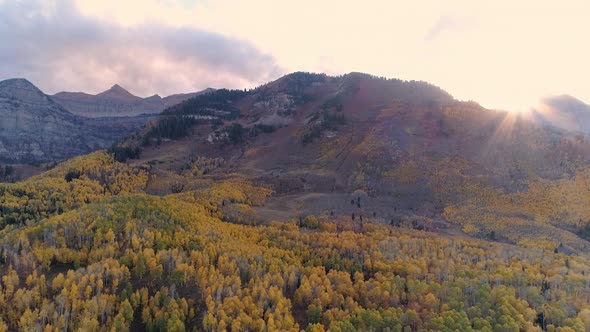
(407, 149)
(564, 112)
(316, 203)
(36, 129)
(84, 248)
(117, 102)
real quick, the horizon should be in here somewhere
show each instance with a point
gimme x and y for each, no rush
(542, 106)
(502, 55)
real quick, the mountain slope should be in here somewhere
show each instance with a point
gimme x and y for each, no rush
(305, 121)
(564, 112)
(111, 257)
(312, 203)
(408, 148)
(36, 129)
(116, 102)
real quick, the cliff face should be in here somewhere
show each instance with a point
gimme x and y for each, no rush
(36, 129)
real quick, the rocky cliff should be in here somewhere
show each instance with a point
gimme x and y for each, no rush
(34, 128)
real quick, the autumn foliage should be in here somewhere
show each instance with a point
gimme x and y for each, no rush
(99, 254)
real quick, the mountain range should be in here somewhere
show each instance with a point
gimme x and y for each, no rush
(314, 139)
(310, 203)
(39, 128)
(34, 128)
(116, 102)
(96, 121)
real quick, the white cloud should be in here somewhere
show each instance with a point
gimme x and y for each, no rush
(445, 23)
(55, 46)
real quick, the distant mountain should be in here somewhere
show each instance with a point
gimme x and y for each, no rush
(564, 112)
(117, 92)
(116, 102)
(36, 129)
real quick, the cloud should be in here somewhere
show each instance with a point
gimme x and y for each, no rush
(444, 23)
(55, 46)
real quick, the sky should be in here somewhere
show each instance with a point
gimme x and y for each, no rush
(502, 54)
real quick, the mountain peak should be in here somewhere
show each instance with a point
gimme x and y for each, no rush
(20, 83)
(154, 97)
(20, 88)
(565, 112)
(117, 91)
(566, 103)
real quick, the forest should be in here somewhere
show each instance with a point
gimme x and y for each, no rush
(84, 247)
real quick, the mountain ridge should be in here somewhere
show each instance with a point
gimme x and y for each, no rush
(117, 101)
(563, 111)
(21, 88)
(37, 129)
